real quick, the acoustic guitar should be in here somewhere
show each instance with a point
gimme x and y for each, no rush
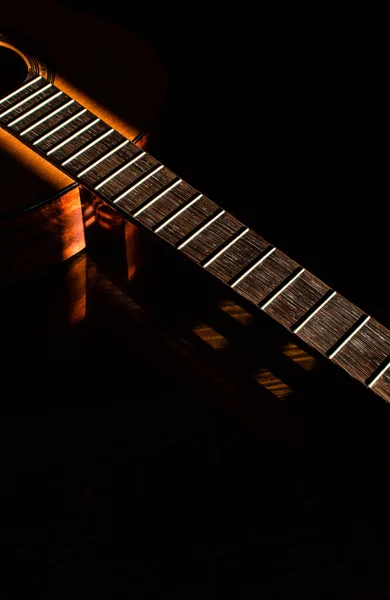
(99, 237)
(79, 146)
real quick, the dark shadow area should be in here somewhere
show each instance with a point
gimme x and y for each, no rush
(13, 69)
(278, 116)
(168, 445)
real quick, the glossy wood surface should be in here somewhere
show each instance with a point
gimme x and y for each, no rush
(79, 68)
(52, 230)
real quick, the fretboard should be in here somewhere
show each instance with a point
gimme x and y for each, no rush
(150, 195)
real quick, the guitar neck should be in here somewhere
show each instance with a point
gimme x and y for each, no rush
(148, 194)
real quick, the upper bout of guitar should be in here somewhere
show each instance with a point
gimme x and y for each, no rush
(108, 69)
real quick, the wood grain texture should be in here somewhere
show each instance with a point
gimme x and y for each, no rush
(382, 386)
(183, 226)
(42, 237)
(135, 184)
(100, 50)
(168, 208)
(330, 324)
(297, 300)
(264, 279)
(236, 259)
(212, 238)
(367, 350)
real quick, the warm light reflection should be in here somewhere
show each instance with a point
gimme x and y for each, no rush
(105, 215)
(273, 384)
(237, 312)
(76, 278)
(97, 108)
(299, 356)
(210, 336)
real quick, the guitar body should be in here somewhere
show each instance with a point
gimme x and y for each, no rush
(44, 214)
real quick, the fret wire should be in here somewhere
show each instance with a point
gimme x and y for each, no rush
(90, 145)
(120, 169)
(201, 228)
(51, 114)
(352, 332)
(103, 157)
(370, 381)
(176, 213)
(72, 137)
(284, 285)
(138, 182)
(159, 195)
(238, 278)
(33, 110)
(30, 97)
(224, 247)
(25, 86)
(60, 126)
(311, 312)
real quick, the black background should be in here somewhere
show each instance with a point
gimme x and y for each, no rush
(275, 115)
(278, 115)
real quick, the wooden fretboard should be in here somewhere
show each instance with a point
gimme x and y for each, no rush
(148, 194)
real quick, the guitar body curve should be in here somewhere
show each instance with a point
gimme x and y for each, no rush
(44, 215)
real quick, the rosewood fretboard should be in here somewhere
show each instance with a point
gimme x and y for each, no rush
(148, 194)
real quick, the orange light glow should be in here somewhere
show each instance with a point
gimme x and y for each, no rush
(210, 336)
(273, 384)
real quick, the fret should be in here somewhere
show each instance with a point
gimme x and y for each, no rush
(150, 194)
(176, 212)
(117, 159)
(100, 141)
(87, 147)
(313, 311)
(281, 288)
(21, 103)
(119, 170)
(33, 110)
(34, 113)
(366, 352)
(381, 370)
(266, 277)
(50, 115)
(187, 221)
(233, 265)
(348, 336)
(195, 232)
(21, 89)
(80, 142)
(211, 240)
(156, 197)
(150, 183)
(103, 157)
(65, 123)
(72, 136)
(49, 122)
(176, 201)
(381, 387)
(234, 238)
(138, 182)
(252, 265)
(329, 325)
(299, 302)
